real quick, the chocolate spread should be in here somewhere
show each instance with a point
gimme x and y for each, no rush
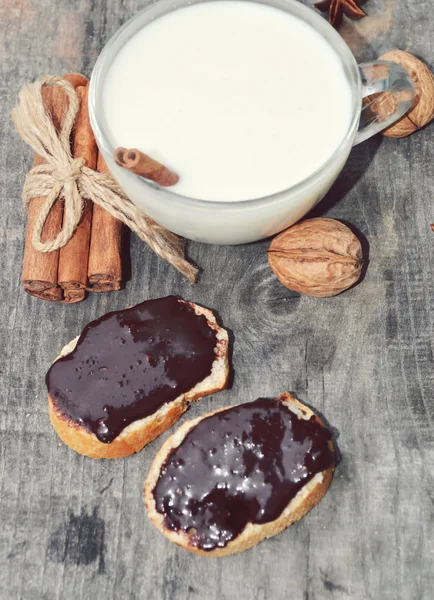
(242, 465)
(128, 363)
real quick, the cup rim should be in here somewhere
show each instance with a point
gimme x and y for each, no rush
(313, 19)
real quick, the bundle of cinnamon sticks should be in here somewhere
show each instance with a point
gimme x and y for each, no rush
(91, 260)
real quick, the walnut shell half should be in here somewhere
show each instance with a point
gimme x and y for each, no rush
(317, 257)
(422, 110)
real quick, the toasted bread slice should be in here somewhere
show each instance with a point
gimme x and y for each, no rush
(252, 534)
(139, 433)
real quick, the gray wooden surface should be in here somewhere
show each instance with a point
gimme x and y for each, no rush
(73, 527)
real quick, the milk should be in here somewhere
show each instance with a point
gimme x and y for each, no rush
(242, 100)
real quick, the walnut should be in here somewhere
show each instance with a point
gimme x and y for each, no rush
(422, 110)
(317, 257)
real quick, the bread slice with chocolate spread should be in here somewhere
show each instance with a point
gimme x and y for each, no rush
(224, 482)
(108, 398)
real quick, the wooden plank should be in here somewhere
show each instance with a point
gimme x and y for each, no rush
(76, 528)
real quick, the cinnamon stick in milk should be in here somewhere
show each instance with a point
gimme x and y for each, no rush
(40, 269)
(74, 256)
(141, 164)
(105, 267)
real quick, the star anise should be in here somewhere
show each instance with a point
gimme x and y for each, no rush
(336, 8)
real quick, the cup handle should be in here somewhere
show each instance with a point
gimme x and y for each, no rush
(377, 77)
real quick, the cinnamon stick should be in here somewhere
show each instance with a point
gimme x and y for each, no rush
(141, 164)
(74, 257)
(105, 267)
(39, 275)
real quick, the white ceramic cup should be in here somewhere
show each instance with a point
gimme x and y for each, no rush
(251, 220)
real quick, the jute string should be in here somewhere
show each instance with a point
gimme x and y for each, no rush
(68, 178)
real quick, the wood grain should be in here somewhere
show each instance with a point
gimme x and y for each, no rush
(76, 528)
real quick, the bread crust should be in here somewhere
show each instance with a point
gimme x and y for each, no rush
(252, 534)
(139, 433)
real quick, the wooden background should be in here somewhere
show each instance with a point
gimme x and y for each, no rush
(73, 527)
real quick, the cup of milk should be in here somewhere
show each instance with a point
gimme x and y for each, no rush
(254, 104)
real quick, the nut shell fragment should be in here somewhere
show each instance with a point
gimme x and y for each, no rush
(317, 257)
(422, 110)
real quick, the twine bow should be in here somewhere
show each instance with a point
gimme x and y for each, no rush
(63, 176)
